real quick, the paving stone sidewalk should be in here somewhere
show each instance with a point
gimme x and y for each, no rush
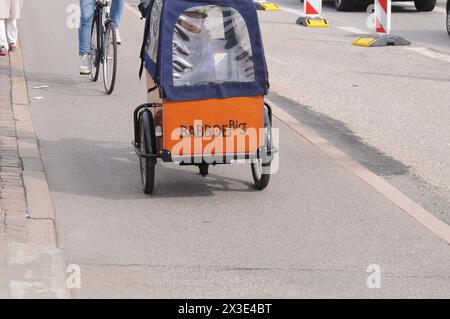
(12, 193)
(30, 263)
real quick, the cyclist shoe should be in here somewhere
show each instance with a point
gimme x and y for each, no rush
(85, 64)
(118, 38)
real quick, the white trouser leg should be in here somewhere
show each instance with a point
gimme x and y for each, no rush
(11, 30)
(3, 41)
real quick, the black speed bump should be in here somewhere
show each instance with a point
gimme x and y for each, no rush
(315, 22)
(266, 6)
(380, 41)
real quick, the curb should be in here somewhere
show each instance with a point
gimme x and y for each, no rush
(34, 268)
(413, 209)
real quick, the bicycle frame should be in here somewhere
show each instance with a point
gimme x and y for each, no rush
(104, 30)
(103, 7)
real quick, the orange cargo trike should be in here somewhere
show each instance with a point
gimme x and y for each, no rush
(205, 61)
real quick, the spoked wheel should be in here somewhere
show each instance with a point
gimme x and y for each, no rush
(95, 50)
(261, 165)
(109, 58)
(146, 146)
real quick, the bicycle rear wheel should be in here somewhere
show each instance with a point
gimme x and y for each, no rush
(109, 58)
(95, 49)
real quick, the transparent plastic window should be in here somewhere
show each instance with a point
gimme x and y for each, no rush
(152, 40)
(211, 44)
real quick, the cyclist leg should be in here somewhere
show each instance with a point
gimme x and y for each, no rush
(117, 8)
(87, 8)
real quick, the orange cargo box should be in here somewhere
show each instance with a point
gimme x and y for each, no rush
(214, 126)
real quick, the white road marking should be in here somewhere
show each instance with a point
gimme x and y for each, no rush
(438, 227)
(430, 53)
(354, 30)
(276, 60)
(293, 11)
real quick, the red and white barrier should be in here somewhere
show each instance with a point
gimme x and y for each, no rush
(383, 16)
(312, 8)
(382, 19)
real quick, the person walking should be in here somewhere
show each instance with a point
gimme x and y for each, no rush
(84, 35)
(9, 13)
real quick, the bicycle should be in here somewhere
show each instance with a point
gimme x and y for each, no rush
(104, 45)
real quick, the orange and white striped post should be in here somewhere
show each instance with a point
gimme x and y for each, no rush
(312, 8)
(312, 11)
(382, 28)
(382, 16)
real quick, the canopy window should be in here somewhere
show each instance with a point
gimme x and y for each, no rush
(211, 44)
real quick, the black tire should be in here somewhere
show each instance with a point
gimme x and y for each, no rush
(203, 169)
(109, 58)
(261, 180)
(361, 6)
(344, 5)
(95, 52)
(261, 166)
(425, 5)
(448, 20)
(146, 146)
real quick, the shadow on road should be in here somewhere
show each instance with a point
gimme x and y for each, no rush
(111, 170)
(66, 85)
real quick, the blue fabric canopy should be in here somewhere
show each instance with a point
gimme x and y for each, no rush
(161, 70)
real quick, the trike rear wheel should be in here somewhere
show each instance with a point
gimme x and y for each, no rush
(260, 177)
(203, 169)
(146, 144)
(261, 165)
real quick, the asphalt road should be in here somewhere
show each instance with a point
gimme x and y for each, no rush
(392, 99)
(312, 233)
